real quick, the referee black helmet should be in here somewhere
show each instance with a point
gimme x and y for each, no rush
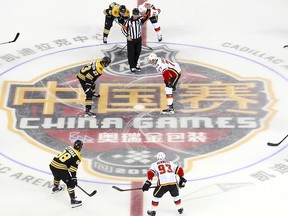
(135, 11)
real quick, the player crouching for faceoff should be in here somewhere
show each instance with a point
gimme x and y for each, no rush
(64, 167)
(171, 73)
(117, 13)
(166, 172)
(149, 11)
(87, 78)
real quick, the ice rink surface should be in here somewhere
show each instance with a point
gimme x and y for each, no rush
(230, 51)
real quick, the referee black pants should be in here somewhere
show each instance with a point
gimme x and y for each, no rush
(133, 50)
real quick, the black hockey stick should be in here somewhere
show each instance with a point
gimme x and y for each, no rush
(16, 37)
(277, 144)
(129, 189)
(285, 46)
(122, 49)
(91, 194)
(148, 47)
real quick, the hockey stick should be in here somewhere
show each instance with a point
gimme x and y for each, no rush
(16, 37)
(91, 194)
(277, 144)
(148, 47)
(285, 46)
(122, 49)
(130, 189)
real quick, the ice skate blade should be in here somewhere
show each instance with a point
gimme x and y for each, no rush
(168, 113)
(76, 205)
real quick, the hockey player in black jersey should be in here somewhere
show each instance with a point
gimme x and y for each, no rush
(64, 167)
(87, 77)
(116, 12)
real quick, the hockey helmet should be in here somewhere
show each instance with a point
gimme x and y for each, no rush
(78, 145)
(152, 58)
(122, 8)
(135, 11)
(160, 156)
(142, 9)
(105, 61)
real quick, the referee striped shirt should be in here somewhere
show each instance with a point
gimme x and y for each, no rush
(133, 28)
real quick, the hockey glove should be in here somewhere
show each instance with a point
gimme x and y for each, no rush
(74, 181)
(170, 85)
(182, 182)
(88, 85)
(146, 185)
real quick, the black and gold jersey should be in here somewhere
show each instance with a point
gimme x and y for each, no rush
(68, 159)
(114, 10)
(90, 72)
(108, 11)
(116, 13)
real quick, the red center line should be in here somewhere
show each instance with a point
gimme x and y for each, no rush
(136, 199)
(144, 29)
(136, 204)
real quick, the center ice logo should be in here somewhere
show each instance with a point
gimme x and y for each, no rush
(214, 110)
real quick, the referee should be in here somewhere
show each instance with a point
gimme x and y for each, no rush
(132, 29)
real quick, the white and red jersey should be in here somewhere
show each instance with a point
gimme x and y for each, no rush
(167, 68)
(150, 6)
(165, 171)
(151, 11)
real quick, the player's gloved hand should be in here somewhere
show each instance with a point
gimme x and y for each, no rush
(182, 182)
(88, 87)
(170, 84)
(74, 181)
(146, 185)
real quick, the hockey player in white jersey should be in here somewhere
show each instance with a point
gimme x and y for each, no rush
(166, 172)
(171, 73)
(149, 11)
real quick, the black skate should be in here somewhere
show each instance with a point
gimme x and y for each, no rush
(90, 114)
(105, 40)
(56, 189)
(168, 111)
(75, 203)
(159, 38)
(152, 213)
(96, 95)
(180, 211)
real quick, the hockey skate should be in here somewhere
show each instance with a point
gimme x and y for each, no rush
(138, 68)
(152, 213)
(180, 211)
(105, 40)
(168, 111)
(133, 70)
(75, 203)
(88, 113)
(56, 189)
(96, 95)
(159, 38)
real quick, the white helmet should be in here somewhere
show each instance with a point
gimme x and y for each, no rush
(160, 156)
(142, 9)
(152, 58)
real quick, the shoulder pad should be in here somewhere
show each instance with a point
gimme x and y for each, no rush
(127, 13)
(115, 12)
(99, 67)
